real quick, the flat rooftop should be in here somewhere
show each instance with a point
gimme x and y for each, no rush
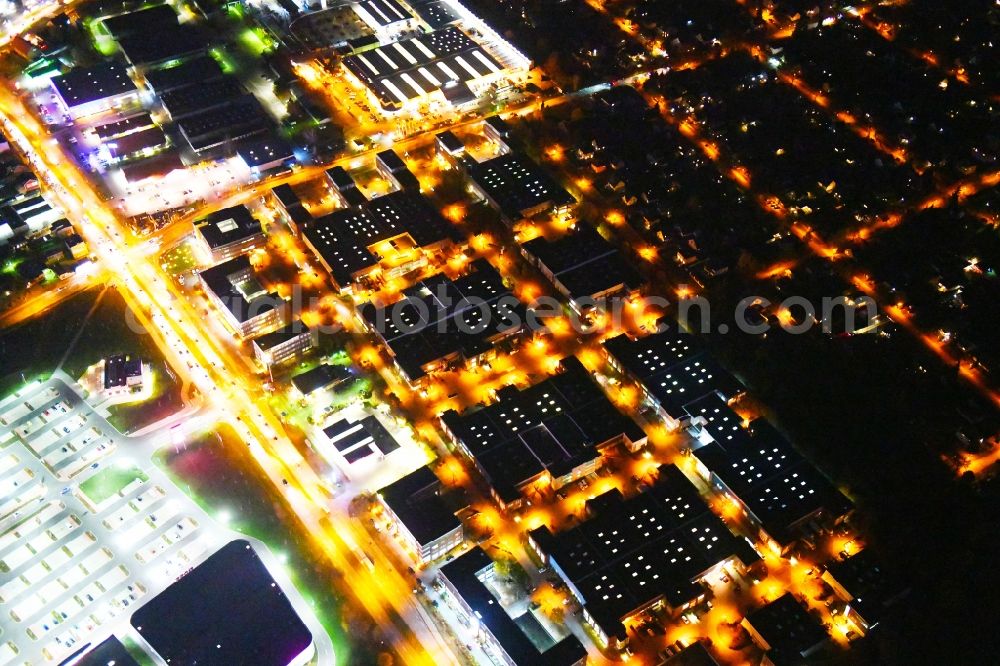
(788, 628)
(450, 142)
(265, 149)
(227, 226)
(517, 184)
(237, 118)
(167, 42)
(771, 478)
(287, 332)
(340, 178)
(412, 68)
(554, 425)
(194, 72)
(695, 654)
(873, 588)
(359, 439)
(141, 22)
(649, 356)
(464, 575)
(391, 160)
(153, 166)
(320, 377)
(227, 610)
(439, 317)
(287, 196)
(345, 238)
(674, 368)
(124, 126)
(182, 102)
(234, 284)
(632, 552)
(134, 142)
(89, 84)
(583, 262)
(118, 369)
(416, 500)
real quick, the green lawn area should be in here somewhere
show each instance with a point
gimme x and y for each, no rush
(215, 472)
(179, 259)
(107, 482)
(105, 326)
(164, 401)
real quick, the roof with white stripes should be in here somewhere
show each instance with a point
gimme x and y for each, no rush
(412, 68)
(381, 13)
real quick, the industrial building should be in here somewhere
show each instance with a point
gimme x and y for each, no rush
(387, 237)
(227, 610)
(386, 18)
(467, 579)
(439, 321)
(868, 589)
(237, 119)
(517, 187)
(403, 73)
(583, 266)
(786, 631)
(671, 369)
(151, 36)
(541, 437)
(784, 496)
(647, 552)
(88, 91)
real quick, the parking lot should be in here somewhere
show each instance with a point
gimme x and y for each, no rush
(74, 567)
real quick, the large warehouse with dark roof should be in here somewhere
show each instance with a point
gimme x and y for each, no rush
(227, 610)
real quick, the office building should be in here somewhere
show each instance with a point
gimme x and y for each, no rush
(229, 233)
(424, 523)
(247, 308)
